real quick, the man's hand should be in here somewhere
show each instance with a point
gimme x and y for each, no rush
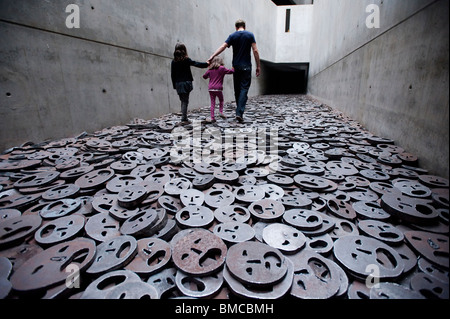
(222, 48)
(257, 59)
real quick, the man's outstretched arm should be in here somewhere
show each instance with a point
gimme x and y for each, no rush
(257, 59)
(222, 48)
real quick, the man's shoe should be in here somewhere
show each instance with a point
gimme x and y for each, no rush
(184, 122)
(239, 119)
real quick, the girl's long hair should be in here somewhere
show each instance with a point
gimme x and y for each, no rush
(216, 63)
(180, 53)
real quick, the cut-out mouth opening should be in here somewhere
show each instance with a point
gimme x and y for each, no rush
(111, 282)
(389, 235)
(386, 259)
(123, 250)
(424, 209)
(12, 233)
(157, 258)
(193, 284)
(318, 244)
(211, 257)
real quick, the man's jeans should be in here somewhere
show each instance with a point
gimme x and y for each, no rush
(242, 80)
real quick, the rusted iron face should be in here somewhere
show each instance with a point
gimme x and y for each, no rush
(199, 253)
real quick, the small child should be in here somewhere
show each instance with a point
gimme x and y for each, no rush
(216, 74)
(182, 77)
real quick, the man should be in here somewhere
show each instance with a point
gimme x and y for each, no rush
(243, 42)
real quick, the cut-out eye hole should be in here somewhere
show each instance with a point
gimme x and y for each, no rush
(193, 284)
(285, 243)
(37, 269)
(301, 284)
(63, 249)
(318, 244)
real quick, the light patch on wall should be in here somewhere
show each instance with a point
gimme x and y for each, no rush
(73, 19)
(373, 20)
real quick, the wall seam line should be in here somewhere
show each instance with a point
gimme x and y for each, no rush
(84, 39)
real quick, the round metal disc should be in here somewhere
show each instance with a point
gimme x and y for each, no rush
(199, 253)
(356, 252)
(256, 264)
(283, 237)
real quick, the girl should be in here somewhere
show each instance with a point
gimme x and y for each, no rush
(182, 77)
(216, 74)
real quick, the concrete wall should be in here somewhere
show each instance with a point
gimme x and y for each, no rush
(394, 80)
(294, 46)
(57, 82)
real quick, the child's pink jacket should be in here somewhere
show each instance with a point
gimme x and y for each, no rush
(216, 77)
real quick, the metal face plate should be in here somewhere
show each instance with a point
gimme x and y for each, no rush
(274, 291)
(199, 253)
(103, 285)
(266, 209)
(434, 247)
(256, 264)
(59, 230)
(194, 216)
(49, 267)
(315, 277)
(153, 254)
(141, 224)
(356, 252)
(419, 211)
(102, 227)
(303, 219)
(16, 229)
(113, 254)
(94, 179)
(382, 231)
(283, 237)
(234, 232)
(199, 287)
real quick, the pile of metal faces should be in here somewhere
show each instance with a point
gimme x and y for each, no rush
(299, 201)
